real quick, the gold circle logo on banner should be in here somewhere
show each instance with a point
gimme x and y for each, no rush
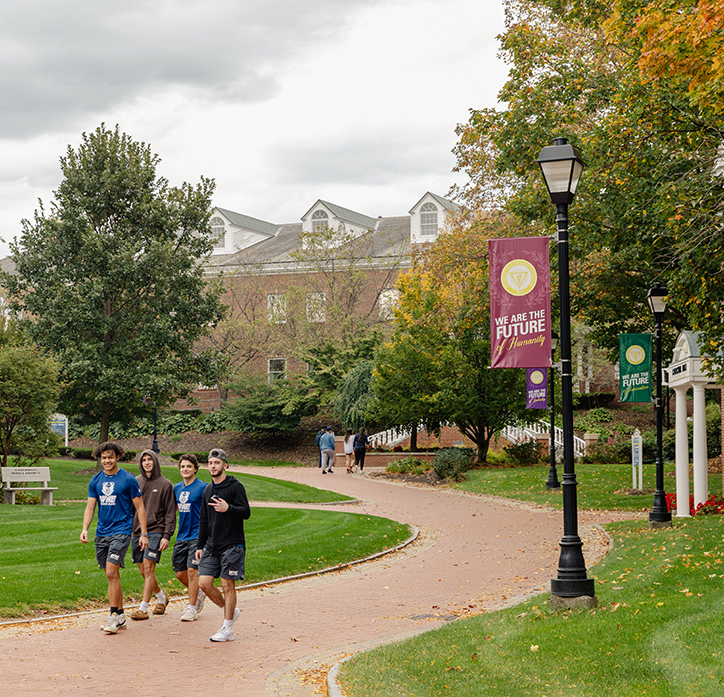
(519, 277)
(635, 354)
(536, 377)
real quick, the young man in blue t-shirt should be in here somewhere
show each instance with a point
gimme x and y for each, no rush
(188, 500)
(117, 494)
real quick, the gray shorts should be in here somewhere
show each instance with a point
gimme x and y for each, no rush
(229, 564)
(151, 552)
(184, 556)
(112, 549)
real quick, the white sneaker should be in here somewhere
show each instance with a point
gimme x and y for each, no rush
(114, 623)
(200, 600)
(224, 634)
(189, 614)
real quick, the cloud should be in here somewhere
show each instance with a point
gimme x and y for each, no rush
(60, 61)
(372, 158)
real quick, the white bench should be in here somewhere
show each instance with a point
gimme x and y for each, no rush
(27, 474)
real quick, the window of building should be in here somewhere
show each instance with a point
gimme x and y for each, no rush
(428, 219)
(316, 307)
(276, 305)
(218, 233)
(277, 368)
(388, 299)
(320, 221)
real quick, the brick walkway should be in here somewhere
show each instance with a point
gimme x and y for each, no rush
(474, 553)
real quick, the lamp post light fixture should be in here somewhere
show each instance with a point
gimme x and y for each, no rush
(552, 482)
(154, 445)
(660, 516)
(562, 166)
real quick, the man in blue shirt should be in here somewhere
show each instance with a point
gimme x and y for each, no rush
(188, 499)
(327, 446)
(117, 494)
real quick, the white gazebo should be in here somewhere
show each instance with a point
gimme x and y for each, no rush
(685, 371)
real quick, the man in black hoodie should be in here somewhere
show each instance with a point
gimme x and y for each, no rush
(160, 502)
(221, 547)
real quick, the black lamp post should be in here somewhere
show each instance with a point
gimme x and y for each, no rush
(154, 446)
(562, 166)
(552, 482)
(660, 516)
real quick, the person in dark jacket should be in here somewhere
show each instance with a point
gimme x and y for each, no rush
(360, 448)
(160, 503)
(221, 546)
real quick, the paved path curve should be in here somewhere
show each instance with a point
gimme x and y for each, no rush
(474, 553)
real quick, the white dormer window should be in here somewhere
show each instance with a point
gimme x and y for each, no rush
(320, 221)
(218, 233)
(428, 219)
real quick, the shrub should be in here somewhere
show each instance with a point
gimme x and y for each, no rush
(83, 454)
(409, 465)
(450, 463)
(26, 499)
(527, 452)
(592, 399)
(714, 505)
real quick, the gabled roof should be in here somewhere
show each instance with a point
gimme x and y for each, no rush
(249, 223)
(347, 215)
(444, 202)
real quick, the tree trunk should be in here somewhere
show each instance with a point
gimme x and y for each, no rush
(413, 439)
(106, 413)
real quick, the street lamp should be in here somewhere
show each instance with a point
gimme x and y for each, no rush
(562, 166)
(553, 482)
(660, 516)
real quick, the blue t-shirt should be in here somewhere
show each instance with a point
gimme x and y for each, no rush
(326, 442)
(115, 496)
(188, 499)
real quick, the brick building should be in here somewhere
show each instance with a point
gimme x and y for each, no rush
(287, 285)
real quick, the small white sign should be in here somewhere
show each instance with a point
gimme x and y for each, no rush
(637, 459)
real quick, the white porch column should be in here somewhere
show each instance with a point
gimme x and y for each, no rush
(682, 456)
(701, 484)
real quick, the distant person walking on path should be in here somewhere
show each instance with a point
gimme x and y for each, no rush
(117, 494)
(326, 445)
(160, 505)
(221, 547)
(317, 440)
(349, 449)
(360, 448)
(189, 494)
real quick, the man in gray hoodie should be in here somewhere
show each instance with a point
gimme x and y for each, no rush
(160, 503)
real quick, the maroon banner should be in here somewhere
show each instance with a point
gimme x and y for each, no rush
(520, 303)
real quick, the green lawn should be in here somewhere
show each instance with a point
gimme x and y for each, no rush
(596, 489)
(73, 486)
(44, 566)
(656, 633)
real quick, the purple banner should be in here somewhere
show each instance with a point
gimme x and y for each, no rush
(520, 302)
(536, 388)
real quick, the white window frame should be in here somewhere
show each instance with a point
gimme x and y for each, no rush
(276, 307)
(320, 221)
(428, 220)
(316, 307)
(218, 233)
(279, 366)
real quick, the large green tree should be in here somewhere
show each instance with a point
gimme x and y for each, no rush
(110, 279)
(28, 396)
(436, 367)
(649, 204)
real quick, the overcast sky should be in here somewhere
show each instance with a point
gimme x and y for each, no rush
(282, 102)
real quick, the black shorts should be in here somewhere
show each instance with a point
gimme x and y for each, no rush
(151, 552)
(112, 549)
(184, 555)
(229, 564)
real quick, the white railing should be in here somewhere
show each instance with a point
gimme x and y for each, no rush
(389, 438)
(526, 431)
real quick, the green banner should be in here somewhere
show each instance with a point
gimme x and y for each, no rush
(635, 362)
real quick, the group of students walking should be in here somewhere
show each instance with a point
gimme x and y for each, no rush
(140, 512)
(355, 447)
